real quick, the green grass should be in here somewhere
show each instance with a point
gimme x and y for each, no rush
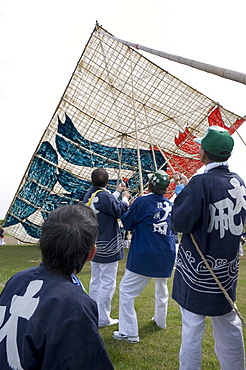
(158, 349)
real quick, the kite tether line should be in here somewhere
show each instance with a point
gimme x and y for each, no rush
(222, 72)
(217, 280)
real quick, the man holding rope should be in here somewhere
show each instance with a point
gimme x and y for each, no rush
(210, 212)
(104, 265)
(151, 255)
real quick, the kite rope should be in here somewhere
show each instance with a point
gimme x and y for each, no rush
(167, 160)
(151, 138)
(233, 305)
(120, 160)
(136, 129)
(108, 70)
(160, 150)
(232, 124)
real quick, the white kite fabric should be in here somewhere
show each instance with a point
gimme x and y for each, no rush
(119, 111)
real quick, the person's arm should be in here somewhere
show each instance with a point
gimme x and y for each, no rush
(107, 203)
(125, 197)
(180, 181)
(129, 219)
(121, 188)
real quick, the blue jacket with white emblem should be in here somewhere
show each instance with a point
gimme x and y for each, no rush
(212, 207)
(152, 250)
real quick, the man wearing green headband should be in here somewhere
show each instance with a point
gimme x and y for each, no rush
(211, 208)
(151, 255)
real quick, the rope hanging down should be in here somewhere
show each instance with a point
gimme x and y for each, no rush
(222, 72)
(234, 307)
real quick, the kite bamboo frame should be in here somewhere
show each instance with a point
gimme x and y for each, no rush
(209, 68)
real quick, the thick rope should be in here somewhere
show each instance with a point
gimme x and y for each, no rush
(217, 281)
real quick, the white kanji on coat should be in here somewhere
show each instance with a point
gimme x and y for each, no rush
(222, 213)
(21, 306)
(161, 226)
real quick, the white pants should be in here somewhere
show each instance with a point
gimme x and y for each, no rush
(228, 336)
(102, 288)
(132, 286)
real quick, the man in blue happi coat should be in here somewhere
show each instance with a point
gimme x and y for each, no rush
(104, 266)
(151, 255)
(211, 207)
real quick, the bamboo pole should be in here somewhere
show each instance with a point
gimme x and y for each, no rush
(222, 72)
(136, 132)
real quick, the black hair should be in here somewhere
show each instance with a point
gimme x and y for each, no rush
(99, 177)
(67, 237)
(216, 158)
(154, 190)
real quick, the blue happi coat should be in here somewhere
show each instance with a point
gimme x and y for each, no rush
(108, 210)
(212, 207)
(47, 322)
(152, 250)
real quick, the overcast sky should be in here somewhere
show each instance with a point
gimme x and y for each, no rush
(41, 42)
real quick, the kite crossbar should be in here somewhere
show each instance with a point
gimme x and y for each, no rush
(222, 72)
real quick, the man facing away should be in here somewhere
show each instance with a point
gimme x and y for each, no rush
(104, 265)
(151, 255)
(47, 321)
(211, 207)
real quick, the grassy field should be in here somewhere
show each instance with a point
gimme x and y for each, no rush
(158, 349)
